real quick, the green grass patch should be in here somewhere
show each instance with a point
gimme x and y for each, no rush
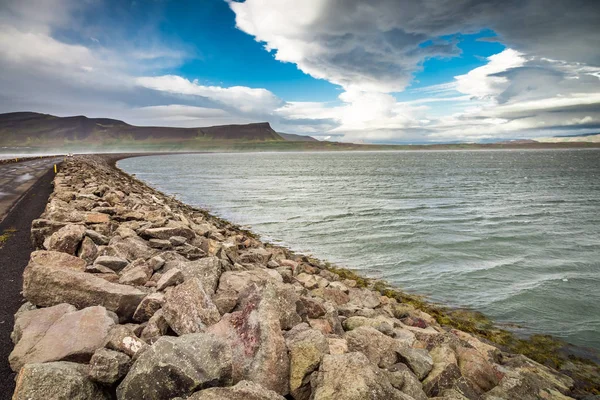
(6, 234)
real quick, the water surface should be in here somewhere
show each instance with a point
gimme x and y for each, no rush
(514, 234)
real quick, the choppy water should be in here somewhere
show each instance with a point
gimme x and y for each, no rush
(514, 234)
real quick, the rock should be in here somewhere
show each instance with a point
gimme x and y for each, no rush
(380, 349)
(57, 260)
(244, 390)
(332, 295)
(88, 250)
(162, 244)
(305, 349)
(156, 327)
(312, 281)
(189, 309)
(258, 255)
(477, 370)
(337, 346)
(108, 366)
(66, 239)
(356, 321)
(339, 286)
(177, 240)
(364, 298)
(114, 263)
(491, 353)
(273, 264)
(403, 379)
(322, 325)
(97, 218)
(207, 269)
(131, 248)
(101, 269)
(138, 275)
(168, 232)
(39, 382)
(352, 376)
(172, 277)
(284, 301)
(123, 339)
(259, 350)
(225, 301)
(156, 263)
(310, 308)
(178, 367)
(418, 360)
(47, 285)
(237, 281)
(97, 237)
(74, 336)
(445, 371)
(148, 306)
(43, 228)
(35, 322)
(528, 380)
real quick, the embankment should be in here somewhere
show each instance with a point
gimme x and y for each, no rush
(135, 295)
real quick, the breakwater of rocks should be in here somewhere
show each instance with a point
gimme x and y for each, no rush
(134, 295)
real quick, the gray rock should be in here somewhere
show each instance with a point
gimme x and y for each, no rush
(445, 371)
(259, 350)
(123, 339)
(156, 263)
(177, 240)
(148, 306)
(108, 366)
(46, 284)
(189, 309)
(168, 232)
(66, 239)
(225, 301)
(88, 250)
(207, 269)
(162, 244)
(403, 379)
(114, 263)
(178, 367)
(244, 390)
(172, 277)
(97, 238)
(74, 336)
(39, 382)
(380, 349)
(418, 360)
(305, 349)
(352, 376)
(156, 327)
(364, 298)
(131, 248)
(35, 322)
(138, 275)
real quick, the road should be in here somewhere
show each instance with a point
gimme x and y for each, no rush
(17, 178)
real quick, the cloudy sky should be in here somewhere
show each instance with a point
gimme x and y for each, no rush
(384, 71)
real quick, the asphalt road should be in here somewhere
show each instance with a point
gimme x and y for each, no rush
(16, 246)
(17, 178)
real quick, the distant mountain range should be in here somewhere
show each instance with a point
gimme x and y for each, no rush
(32, 132)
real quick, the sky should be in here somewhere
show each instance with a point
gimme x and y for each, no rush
(377, 71)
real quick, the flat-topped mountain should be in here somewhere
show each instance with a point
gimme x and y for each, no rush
(30, 128)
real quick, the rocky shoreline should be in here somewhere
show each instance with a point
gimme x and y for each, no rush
(134, 295)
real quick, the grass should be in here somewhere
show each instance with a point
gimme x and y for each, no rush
(6, 234)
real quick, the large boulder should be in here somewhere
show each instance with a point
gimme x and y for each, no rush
(56, 380)
(418, 360)
(445, 372)
(207, 269)
(403, 379)
(477, 369)
(306, 349)
(167, 232)
(46, 282)
(189, 309)
(258, 346)
(108, 366)
(74, 336)
(66, 239)
(284, 299)
(244, 390)
(352, 376)
(131, 248)
(178, 367)
(380, 349)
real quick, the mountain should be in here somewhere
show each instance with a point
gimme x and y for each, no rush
(34, 129)
(297, 138)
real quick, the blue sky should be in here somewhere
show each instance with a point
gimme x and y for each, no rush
(385, 71)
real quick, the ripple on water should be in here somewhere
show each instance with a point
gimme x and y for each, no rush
(514, 234)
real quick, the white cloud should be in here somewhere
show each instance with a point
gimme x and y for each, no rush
(245, 99)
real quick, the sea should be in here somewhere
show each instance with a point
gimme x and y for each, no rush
(513, 234)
